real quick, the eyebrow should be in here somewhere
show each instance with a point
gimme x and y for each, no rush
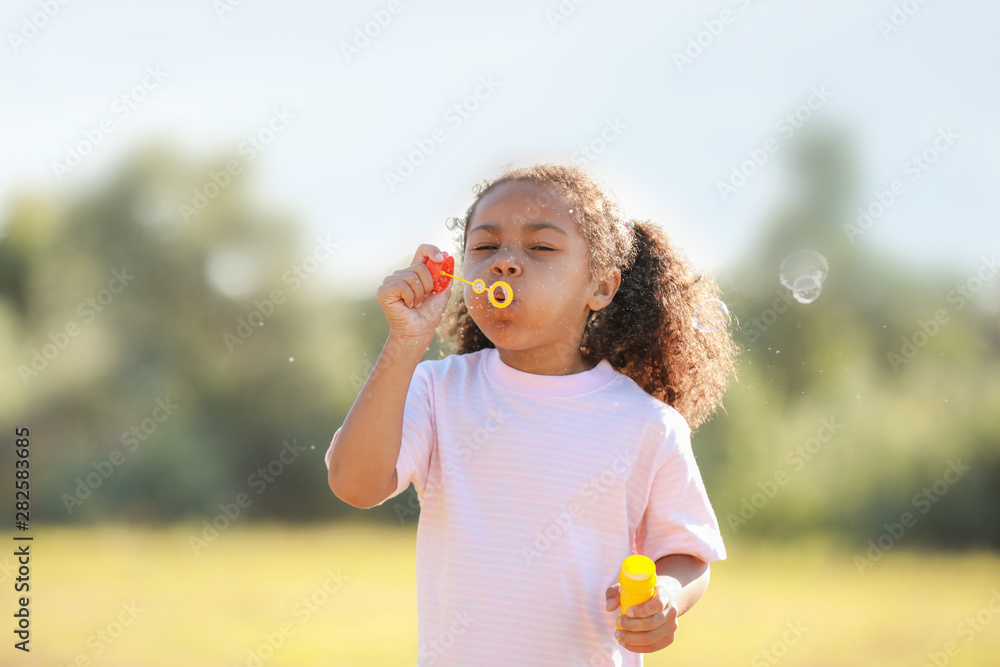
(528, 226)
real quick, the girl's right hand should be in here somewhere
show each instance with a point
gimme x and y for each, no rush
(406, 297)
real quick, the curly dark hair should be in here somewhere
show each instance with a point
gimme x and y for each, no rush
(646, 332)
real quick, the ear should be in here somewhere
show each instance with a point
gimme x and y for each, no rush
(605, 290)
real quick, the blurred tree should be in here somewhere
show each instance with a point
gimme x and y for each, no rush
(160, 289)
(771, 463)
(119, 302)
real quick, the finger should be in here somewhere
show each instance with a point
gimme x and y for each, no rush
(647, 608)
(661, 600)
(424, 275)
(415, 283)
(658, 636)
(406, 294)
(653, 605)
(427, 251)
(612, 597)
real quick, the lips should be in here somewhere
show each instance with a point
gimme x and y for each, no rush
(502, 311)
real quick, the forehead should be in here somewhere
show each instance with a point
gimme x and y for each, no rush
(521, 202)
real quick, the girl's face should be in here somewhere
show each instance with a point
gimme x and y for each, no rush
(523, 233)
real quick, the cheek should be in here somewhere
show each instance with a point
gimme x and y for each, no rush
(475, 303)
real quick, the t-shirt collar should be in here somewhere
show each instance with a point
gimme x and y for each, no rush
(546, 385)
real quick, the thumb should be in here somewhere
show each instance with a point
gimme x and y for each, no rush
(612, 597)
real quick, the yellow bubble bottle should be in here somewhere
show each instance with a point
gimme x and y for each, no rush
(638, 579)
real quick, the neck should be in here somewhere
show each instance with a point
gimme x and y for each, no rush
(545, 361)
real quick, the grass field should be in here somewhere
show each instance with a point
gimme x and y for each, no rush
(344, 595)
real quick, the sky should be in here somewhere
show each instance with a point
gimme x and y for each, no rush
(670, 96)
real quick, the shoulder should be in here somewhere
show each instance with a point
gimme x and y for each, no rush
(456, 367)
(660, 423)
(648, 406)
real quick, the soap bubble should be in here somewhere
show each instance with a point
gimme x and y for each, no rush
(711, 315)
(806, 289)
(801, 263)
(803, 272)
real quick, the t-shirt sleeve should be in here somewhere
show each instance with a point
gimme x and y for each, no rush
(419, 434)
(679, 518)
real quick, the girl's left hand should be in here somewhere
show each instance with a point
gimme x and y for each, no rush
(649, 626)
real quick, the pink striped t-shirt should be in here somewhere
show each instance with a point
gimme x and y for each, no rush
(533, 489)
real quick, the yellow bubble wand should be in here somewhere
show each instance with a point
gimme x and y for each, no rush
(479, 286)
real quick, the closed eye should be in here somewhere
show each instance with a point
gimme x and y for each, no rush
(490, 247)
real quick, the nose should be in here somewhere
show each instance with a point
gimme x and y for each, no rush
(506, 265)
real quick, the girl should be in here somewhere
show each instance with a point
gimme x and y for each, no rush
(555, 441)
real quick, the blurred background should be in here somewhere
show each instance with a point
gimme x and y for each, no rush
(198, 201)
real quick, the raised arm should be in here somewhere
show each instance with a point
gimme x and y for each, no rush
(363, 462)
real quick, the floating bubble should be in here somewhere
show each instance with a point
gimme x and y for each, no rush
(291, 358)
(711, 315)
(803, 272)
(806, 288)
(801, 263)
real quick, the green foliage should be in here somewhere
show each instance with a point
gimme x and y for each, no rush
(903, 418)
(174, 333)
(162, 336)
